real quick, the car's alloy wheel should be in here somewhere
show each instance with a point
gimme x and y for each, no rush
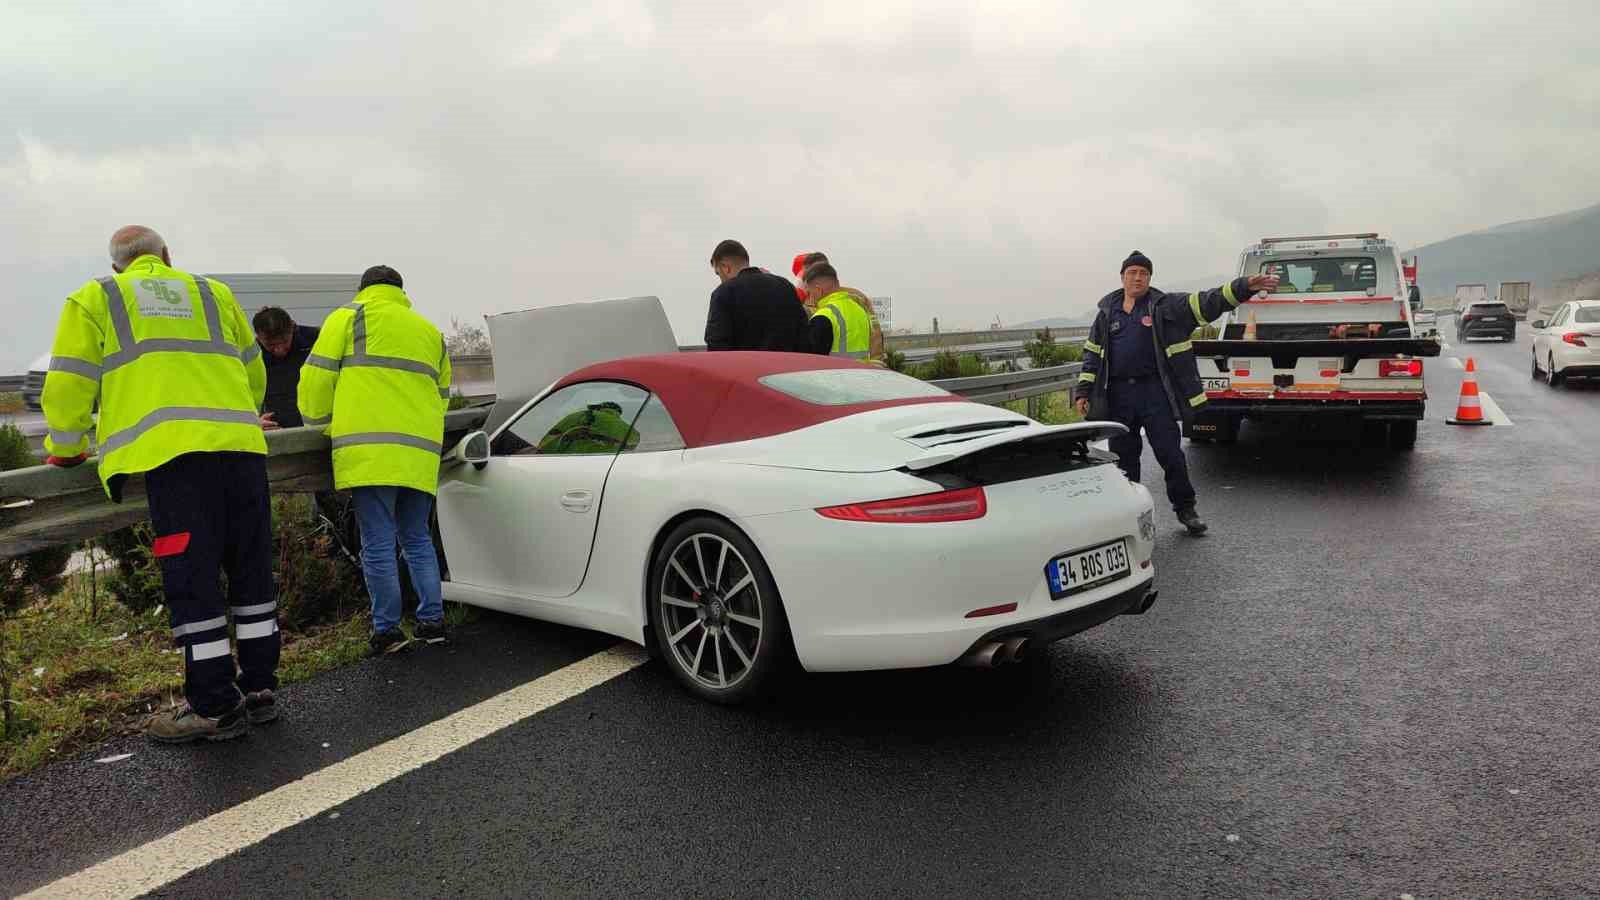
(717, 616)
(1535, 366)
(1551, 377)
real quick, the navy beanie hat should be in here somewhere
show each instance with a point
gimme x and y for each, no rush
(1137, 258)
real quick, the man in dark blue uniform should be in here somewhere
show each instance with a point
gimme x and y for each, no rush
(1139, 369)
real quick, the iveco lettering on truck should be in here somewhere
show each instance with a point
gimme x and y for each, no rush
(1335, 343)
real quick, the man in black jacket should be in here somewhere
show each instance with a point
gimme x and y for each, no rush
(1139, 369)
(286, 346)
(752, 309)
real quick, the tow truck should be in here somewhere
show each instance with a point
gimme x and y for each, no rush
(1335, 344)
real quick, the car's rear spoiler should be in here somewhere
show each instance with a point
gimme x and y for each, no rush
(1361, 347)
(1077, 431)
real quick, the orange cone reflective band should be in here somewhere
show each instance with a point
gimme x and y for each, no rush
(1468, 410)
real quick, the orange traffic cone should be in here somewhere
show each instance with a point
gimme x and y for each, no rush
(1250, 326)
(1468, 410)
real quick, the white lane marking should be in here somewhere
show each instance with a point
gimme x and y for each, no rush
(1493, 412)
(165, 860)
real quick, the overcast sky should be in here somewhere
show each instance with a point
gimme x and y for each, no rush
(970, 161)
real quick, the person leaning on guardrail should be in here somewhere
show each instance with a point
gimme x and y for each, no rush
(180, 382)
(379, 379)
(839, 325)
(875, 352)
(1139, 369)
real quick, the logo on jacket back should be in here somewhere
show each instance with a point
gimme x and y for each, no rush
(163, 298)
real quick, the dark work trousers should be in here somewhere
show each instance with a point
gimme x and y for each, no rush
(1142, 403)
(212, 515)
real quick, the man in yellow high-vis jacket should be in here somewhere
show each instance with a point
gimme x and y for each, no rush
(177, 373)
(379, 378)
(839, 326)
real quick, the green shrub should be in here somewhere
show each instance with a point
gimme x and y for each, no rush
(36, 574)
(1043, 351)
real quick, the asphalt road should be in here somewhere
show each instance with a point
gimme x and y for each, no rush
(1377, 677)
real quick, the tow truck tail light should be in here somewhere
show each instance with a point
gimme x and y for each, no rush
(945, 506)
(1574, 339)
(1400, 368)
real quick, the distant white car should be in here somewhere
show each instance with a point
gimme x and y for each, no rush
(737, 510)
(1568, 344)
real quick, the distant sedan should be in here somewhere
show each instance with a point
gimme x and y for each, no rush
(1568, 345)
(736, 511)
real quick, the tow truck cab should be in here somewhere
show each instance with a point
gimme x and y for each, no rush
(1336, 340)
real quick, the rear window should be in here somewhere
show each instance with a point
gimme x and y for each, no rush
(1489, 309)
(1587, 314)
(1323, 274)
(842, 387)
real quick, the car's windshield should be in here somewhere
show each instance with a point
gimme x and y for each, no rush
(841, 387)
(1587, 315)
(1323, 274)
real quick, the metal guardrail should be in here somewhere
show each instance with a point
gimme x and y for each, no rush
(44, 506)
(1008, 386)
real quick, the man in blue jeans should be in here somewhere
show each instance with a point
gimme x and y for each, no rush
(379, 379)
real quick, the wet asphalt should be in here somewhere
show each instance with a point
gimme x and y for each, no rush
(1377, 676)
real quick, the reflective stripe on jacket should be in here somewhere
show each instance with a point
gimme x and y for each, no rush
(852, 327)
(1174, 317)
(379, 379)
(172, 361)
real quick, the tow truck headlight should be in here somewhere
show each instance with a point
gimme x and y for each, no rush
(1147, 525)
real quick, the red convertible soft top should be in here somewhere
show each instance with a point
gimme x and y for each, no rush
(718, 398)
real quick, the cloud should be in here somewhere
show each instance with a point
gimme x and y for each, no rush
(972, 161)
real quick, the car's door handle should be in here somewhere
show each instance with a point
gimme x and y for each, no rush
(577, 501)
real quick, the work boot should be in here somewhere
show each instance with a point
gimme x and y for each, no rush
(1192, 521)
(430, 632)
(261, 707)
(181, 725)
(381, 642)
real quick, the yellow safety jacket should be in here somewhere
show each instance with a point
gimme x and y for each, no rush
(173, 362)
(852, 327)
(379, 378)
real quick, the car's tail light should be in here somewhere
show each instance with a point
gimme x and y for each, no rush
(1574, 339)
(945, 506)
(1400, 368)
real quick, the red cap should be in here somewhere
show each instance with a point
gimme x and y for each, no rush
(800, 262)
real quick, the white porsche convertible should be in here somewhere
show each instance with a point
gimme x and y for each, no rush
(736, 512)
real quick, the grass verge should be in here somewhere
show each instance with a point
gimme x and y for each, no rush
(81, 678)
(10, 403)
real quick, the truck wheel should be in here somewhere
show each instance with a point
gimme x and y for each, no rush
(1374, 434)
(1402, 435)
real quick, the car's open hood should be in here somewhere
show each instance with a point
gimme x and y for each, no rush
(534, 348)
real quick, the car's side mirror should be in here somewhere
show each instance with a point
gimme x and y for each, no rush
(474, 449)
(1539, 324)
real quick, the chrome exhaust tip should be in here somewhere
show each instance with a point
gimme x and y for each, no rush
(983, 657)
(1015, 650)
(1144, 604)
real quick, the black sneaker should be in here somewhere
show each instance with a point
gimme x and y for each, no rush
(391, 641)
(1192, 521)
(261, 707)
(430, 632)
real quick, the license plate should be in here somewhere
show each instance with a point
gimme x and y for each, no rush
(1217, 384)
(1491, 318)
(1086, 569)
